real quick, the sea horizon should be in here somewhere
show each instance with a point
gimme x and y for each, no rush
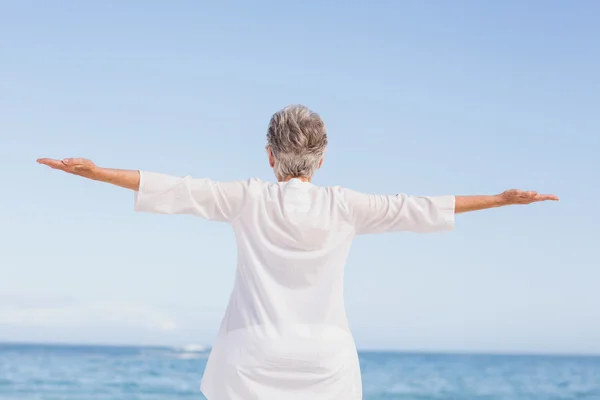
(76, 371)
(205, 348)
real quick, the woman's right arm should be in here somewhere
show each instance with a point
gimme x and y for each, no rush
(129, 179)
(388, 213)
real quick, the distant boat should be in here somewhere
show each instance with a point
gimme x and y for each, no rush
(194, 348)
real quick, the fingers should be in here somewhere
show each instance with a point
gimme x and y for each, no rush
(75, 166)
(73, 161)
(62, 164)
(516, 196)
(44, 161)
(56, 164)
(545, 197)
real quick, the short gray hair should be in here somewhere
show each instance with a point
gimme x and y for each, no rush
(298, 138)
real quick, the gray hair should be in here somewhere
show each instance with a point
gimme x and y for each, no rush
(298, 138)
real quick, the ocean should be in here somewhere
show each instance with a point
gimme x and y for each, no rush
(52, 372)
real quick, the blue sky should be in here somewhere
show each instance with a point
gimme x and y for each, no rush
(421, 97)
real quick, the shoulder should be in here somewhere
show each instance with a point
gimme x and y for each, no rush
(255, 187)
(339, 196)
(341, 192)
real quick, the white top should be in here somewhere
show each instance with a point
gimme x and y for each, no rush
(285, 334)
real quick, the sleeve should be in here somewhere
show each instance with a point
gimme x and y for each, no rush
(164, 194)
(389, 213)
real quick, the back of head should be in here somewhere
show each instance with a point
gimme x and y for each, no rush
(297, 139)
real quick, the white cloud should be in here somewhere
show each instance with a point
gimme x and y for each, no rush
(86, 315)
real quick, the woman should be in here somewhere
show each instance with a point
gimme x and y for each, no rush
(285, 334)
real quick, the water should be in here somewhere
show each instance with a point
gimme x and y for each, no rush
(29, 372)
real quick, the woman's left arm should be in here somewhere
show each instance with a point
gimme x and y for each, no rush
(128, 179)
(164, 194)
(510, 197)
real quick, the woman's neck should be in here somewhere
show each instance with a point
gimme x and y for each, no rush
(300, 178)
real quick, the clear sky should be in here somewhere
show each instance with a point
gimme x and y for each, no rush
(421, 97)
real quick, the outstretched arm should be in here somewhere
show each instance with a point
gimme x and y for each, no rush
(159, 193)
(388, 213)
(509, 197)
(129, 179)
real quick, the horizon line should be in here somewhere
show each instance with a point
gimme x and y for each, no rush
(207, 348)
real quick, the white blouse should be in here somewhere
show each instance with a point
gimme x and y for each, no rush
(285, 335)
